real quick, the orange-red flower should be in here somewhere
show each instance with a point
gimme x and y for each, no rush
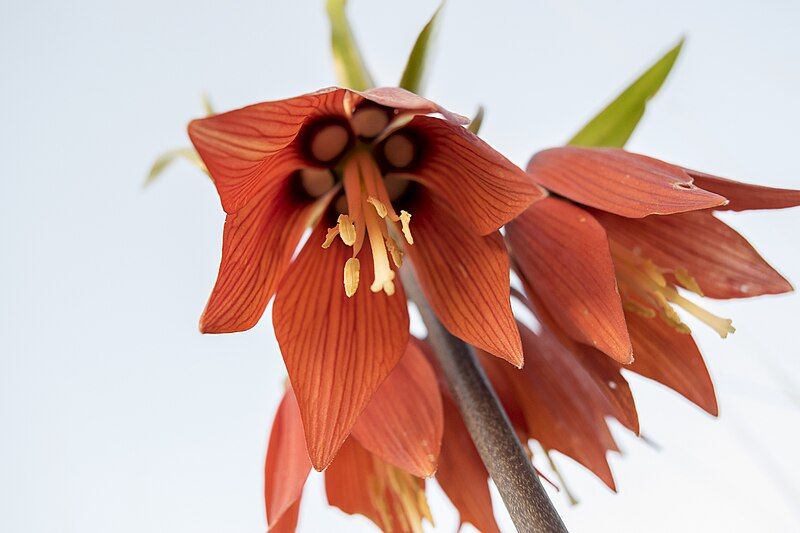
(605, 263)
(356, 166)
(410, 430)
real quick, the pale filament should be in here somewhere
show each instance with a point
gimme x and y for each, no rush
(642, 277)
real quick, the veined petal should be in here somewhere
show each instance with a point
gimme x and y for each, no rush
(403, 422)
(620, 182)
(563, 250)
(287, 466)
(257, 245)
(722, 262)
(461, 473)
(358, 482)
(465, 278)
(603, 371)
(562, 407)
(338, 350)
(745, 196)
(671, 358)
(245, 150)
(477, 184)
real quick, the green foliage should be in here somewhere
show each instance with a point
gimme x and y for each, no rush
(351, 71)
(414, 73)
(167, 158)
(477, 121)
(614, 125)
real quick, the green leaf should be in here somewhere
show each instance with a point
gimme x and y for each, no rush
(167, 158)
(614, 125)
(350, 68)
(414, 73)
(477, 121)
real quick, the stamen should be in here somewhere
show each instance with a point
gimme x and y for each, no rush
(369, 121)
(316, 181)
(395, 252)
(352, 273)
(378, 205)
(405, 220)
(683, 277)
(347, 230)
(329, 142)
(399, 150)
(330, 237)
(635, 307)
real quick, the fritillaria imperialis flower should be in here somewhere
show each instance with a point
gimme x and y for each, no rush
(378, 175)
(604, 262)
(410, 429)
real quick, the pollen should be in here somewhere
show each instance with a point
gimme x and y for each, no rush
(641, 280)
(352, 272)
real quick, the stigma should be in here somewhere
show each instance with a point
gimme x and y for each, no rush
(644, 286)
(369, 217)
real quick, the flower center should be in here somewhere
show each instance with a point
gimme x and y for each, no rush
(642, 283)
(329, 142)
(370, 215)
(399, 150)
(368, 121)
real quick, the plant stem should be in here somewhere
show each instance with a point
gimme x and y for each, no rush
(487, 423)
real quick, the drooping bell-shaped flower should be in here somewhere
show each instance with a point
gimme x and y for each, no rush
(380, 175)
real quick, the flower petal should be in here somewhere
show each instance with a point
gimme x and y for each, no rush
(722, 262)
(465, 278)
(563, 408)
(403, 422)
(563, 250)
(474, 181)
(407, 101)
(603, 371)
(744, 196)
(461, 473)
(620, 182)
(670, 357)
(287, 466)
(338, 350)
(245, 150)
(257, 245)
(358, 482)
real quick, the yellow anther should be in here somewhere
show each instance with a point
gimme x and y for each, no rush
(378, 205)
(331, 236)
(669, 314)
(347, 230)
(352, 273)
(641, 310)
(685, 279)
(395, 252)
(405, 220)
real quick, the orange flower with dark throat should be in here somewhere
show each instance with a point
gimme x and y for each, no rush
(378, 175)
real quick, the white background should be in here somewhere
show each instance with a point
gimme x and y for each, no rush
(117, 415)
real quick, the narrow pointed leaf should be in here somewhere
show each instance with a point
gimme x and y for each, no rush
(351, 71)
(414, 73)
(614, 125)
(167, 158)
(477, 120)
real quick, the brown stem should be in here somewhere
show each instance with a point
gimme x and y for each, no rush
(487, 423)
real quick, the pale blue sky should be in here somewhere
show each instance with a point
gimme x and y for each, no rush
(117, 415)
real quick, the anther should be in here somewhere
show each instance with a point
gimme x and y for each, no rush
(329, 142)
